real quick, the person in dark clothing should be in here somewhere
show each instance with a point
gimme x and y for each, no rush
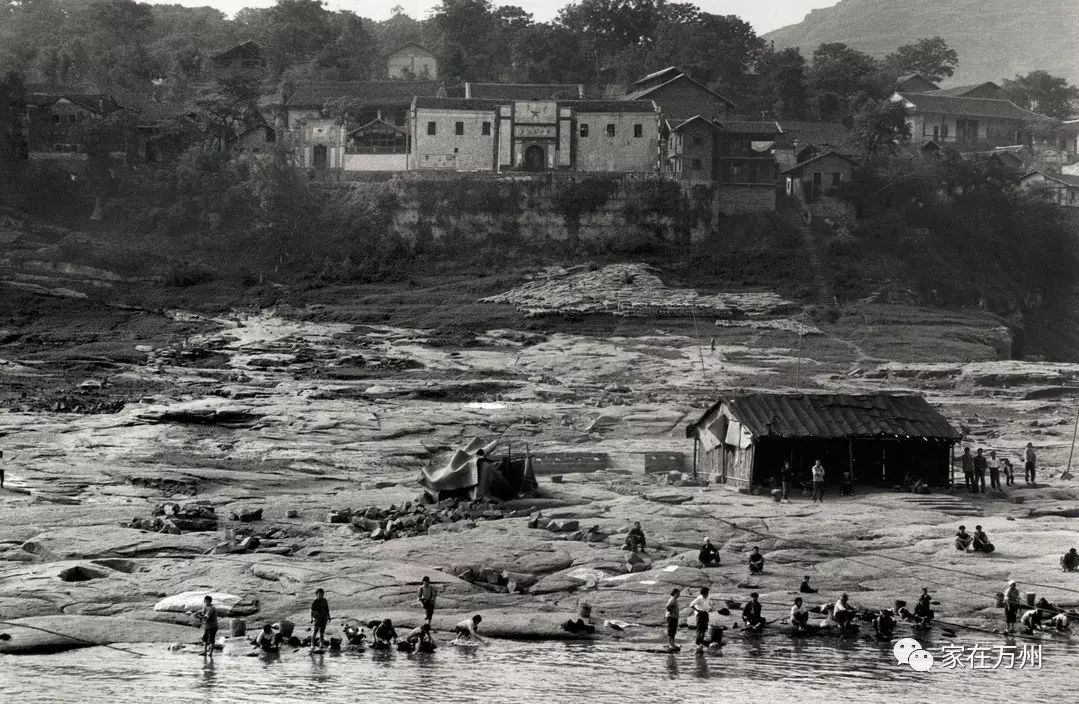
(963, 539)
(756, 561)
(1, 469)
(924, 608)
(208, 617)
(981, 541)
(421, 639)
(1030, 460)
(980, 465)
(672, 611)
(709, 554)
(701, 606)
(751, 613)
(804, 587)
(1009, 472)
(968, 468)
(320, 618)
(427, 597)
(384, 634)
(884, 624)
(1011, 607)
(1070, 561)
(635, 540)
(785, 475)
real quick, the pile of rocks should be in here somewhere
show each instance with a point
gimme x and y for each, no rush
(569, 528)
(418, 518)
(245, 539)
(495, 580)
(174, 518)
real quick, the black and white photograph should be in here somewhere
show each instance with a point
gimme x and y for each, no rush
(576, 351)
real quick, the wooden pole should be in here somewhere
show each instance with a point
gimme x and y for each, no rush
(1068, 472)
(695, 443)
(801, 336)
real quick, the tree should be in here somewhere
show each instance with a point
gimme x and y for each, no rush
(839, 69)
(296, 31)
(783, 80)
(473, 36)
(1044, 93)
(881, 127)
(932, 58)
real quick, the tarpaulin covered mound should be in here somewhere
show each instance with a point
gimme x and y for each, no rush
(473, 472)
(226, 604)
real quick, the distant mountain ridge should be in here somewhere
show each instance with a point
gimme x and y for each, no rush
(995, 39)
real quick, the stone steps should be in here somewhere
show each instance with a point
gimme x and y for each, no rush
(951, 505)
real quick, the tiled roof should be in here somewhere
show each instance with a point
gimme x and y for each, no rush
(839, 416)
(611, 105)
(456, 103)
(315, 95)
(248, 48)
(524, 91)
(1066, 179)
(972, 107)
(406, 45)
(831, 134)
(750, 126)
(663, 75)
(823, 154)
(648, 90)
(963, 91)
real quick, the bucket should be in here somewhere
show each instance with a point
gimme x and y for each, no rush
(1000, 600)
(239, 627)
(286, 628)
(584, 610)
(1029, 596)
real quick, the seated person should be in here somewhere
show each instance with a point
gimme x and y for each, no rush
(266, 641)
(756, 561)
(384, 634)
(466, 630)
(924, 609)
(1061, 622)
(355, 636)
(981, 541)
(799, 617)
(1070, 561)
(884, 624)
(1032, 620)
(804, 587)
(846, 488)
(963, 539)
(709, 554)
(843, 612)
(635, 540)
(751, 613)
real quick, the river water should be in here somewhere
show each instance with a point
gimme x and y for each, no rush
(771, 670)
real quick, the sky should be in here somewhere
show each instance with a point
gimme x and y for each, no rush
(764, 15)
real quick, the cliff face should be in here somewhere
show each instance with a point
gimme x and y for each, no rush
(995, 39)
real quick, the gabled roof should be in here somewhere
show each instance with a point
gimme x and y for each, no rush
(828, 152)
(914, 82)
(661, 76)
(822, 134)
(759, 127)
(972, 107)
(682, 124)
(100, 103)
(316, 95)
(413, 44)
(524, 91)
(966, 91)
(1063, 179)
(648, 90)
(381, 123)
(248, 48)
(837, 416)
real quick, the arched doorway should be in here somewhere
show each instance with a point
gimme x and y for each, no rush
(320, 157)
(535, 158)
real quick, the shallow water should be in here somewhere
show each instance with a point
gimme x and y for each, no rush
(770, 670)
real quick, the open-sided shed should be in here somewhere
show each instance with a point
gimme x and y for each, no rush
(881, 439)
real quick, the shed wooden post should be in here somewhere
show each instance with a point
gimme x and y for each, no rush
(695, 442)
(850, 458)
(951, 464)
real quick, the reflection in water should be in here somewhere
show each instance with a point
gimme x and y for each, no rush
(765, 671)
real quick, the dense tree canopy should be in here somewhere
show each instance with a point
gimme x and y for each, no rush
(1043, 93)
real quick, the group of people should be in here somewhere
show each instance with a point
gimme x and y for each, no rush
(1043, 614)
(785, 479)
(975, 466)
(384, 635)
(708, 556)
(841, 614)
(978, 542)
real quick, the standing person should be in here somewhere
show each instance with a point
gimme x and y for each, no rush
(672, 610)
(994, 470)
(1009, 472)
(208, 617)
(924, 608)
(320, 618)
(427, 596)
(818, 481)
(1030, 459)
(980, 464)
(701, 606)
(785, 482)
(1, 469)
(968, 468)
(1011, 607)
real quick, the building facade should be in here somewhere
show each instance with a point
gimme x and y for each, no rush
(680, 97)
(56, 122)
(1062, 189)
(815, 177)
(966, 122)
(411, 61)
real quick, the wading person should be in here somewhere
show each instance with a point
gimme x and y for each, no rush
(468, 629)
(385, 634)
(756, 561)
(709, 554)
(884, 624)
(980, 465)
(968, 468)
(817, 473)
(672, 611)
(320, 618)
(266, 641)
(1030, 460)
(208, 618)
(427, 596)
(421, 639)
(924, 608)
(701, 606)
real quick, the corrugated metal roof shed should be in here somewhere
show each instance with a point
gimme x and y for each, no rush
(840, 416)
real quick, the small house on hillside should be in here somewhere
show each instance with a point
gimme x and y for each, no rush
(680, 96)
(813, 178)
(412, 61)
(881, 439)
(246, 58)
(1062, 189)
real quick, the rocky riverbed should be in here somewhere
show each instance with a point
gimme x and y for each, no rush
(280, 419)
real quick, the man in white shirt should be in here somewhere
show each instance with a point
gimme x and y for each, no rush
(818, 481)
(702, 606)
(799, 616)
(843, 612)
